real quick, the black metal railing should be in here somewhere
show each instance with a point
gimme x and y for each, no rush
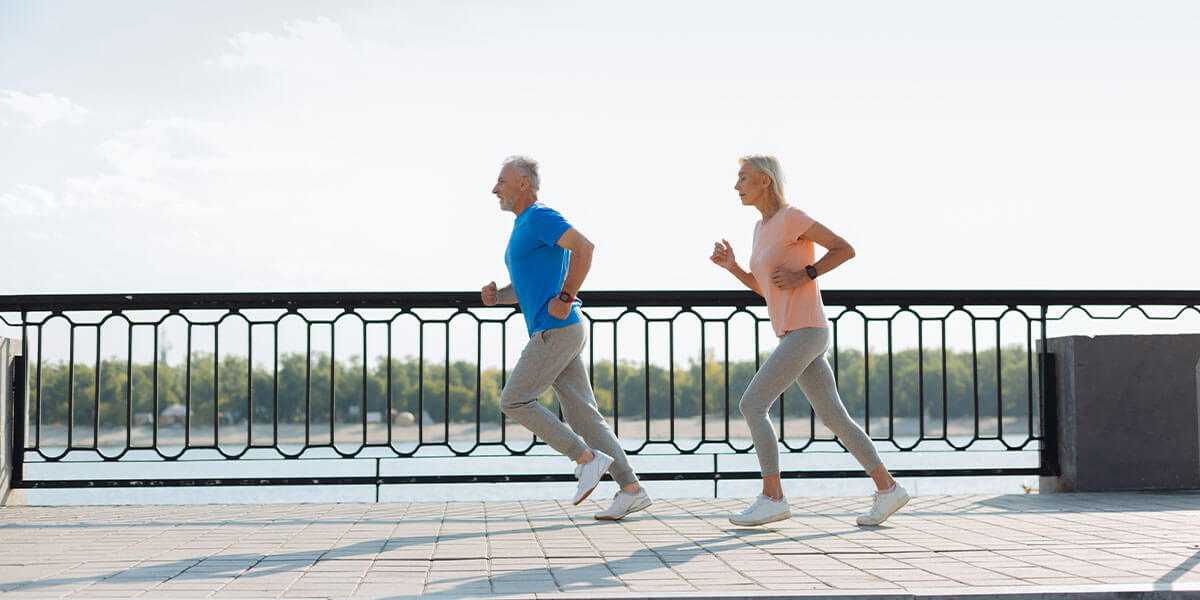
(170, 380)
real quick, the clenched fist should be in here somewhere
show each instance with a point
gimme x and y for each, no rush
(490, 294)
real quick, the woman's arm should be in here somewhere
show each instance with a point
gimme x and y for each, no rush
(838, 251)
(722, 256)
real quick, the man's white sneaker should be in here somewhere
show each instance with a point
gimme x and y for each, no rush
(623, 504)
(590, 473)
(763, 511)
(884, 504)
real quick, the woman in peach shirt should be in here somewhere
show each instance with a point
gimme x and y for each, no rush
(783, 271)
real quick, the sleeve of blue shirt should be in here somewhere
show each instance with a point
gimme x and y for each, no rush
(549, 226)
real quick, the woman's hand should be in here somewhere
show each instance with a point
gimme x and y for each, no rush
(786, 280)
(722, 255)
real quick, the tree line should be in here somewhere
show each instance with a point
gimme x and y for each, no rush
(229, 389)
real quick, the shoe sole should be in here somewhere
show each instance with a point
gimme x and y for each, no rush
(627, 513)
(585, 495)
(885, 517)
(589, 492)
(780, 517)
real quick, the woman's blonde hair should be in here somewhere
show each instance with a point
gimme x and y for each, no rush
(769, 165)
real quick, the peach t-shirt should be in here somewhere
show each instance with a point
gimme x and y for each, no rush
(776, 245)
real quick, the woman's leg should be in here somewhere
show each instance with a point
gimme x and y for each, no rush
(775, 375)
(817, 383)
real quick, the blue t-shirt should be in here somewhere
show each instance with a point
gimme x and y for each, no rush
(537, 266)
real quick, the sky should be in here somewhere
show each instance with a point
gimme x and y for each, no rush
(352, 146)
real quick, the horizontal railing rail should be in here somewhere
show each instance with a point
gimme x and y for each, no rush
(268, 376)
(62, 302)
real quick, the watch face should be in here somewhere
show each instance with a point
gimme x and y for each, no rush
(565, 297)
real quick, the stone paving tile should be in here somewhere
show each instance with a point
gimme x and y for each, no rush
(947, 543)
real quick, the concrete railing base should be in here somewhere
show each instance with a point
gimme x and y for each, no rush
(1128, 413)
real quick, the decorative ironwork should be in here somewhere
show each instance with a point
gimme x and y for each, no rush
(920, 370)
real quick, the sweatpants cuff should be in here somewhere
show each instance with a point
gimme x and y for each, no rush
(576, 449)
(623, 479)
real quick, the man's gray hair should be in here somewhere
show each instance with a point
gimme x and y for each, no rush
(527, 167)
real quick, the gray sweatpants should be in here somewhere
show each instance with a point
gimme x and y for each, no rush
(554, 357)
(800, 357)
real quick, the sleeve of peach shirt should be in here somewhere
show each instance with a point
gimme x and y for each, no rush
(799, 223)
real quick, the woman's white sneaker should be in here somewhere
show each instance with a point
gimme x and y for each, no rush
(590, 473)
(763, 511)
(884, 505)
(624, 503)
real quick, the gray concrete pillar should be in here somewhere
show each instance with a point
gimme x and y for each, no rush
(1128, 413)
(9, 349)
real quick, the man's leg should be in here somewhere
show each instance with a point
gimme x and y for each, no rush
(540, 364)
(580, 410)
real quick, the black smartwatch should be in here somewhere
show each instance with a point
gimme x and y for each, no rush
(565, 297)
(812, 271)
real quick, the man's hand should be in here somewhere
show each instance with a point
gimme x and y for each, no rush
(786, 280)
(559, 309)
(490, 294)
(722, 255)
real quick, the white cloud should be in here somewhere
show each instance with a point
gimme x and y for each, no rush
(40, 109)
(164, 145)
(29, 201)
(307, 46)
(112, 191)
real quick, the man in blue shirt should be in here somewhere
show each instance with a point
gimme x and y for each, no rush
(547, 260)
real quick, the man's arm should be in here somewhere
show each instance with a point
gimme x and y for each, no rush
(581, 262)
(493, 295)
(581, 259)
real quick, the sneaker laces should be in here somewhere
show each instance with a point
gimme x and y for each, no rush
(759, 501)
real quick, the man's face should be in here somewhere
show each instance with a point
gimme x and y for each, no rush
(508, 187)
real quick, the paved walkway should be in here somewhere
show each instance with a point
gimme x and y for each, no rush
(1089, 545)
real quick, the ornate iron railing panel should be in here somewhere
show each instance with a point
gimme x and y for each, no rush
(385, 376)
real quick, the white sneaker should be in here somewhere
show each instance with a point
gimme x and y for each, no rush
(885, 503)
(590, 473)
(763, 511)
(623, 504)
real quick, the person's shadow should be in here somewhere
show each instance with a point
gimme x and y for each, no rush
(250, 566)
(583, 576)
(260, 565)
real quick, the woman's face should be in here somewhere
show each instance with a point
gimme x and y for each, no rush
(752, 185)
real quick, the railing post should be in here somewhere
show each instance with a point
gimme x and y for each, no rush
(1049, 455)
(18, 422)
(12, 403)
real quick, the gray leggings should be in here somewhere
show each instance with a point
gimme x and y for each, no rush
(801, 352)
(553, 358)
